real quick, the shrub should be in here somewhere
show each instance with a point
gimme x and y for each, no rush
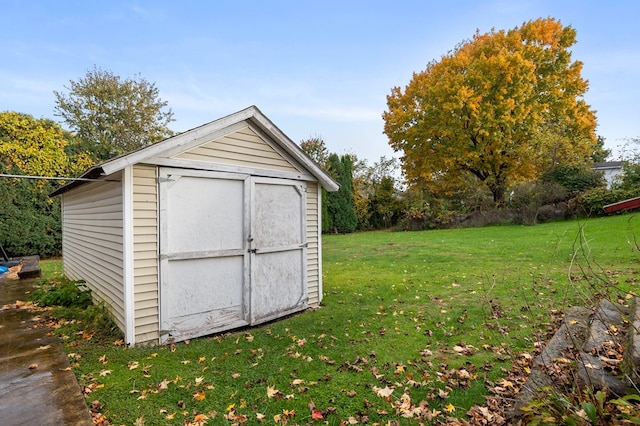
(529, 197)
(630, 178)
(574, 179)
(29, 220)
(71, 301)
(592, 202)
(63, 292)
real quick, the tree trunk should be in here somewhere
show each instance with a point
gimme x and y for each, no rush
(498, 190)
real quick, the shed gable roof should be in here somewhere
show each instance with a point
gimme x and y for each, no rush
(201, 136)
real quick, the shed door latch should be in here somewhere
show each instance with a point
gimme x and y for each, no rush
(250, 240)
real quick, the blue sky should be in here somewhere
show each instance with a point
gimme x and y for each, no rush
(315, 68)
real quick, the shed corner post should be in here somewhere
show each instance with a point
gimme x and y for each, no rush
(127, 262)
(320, 285)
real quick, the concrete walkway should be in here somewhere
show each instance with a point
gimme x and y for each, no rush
(37, 387)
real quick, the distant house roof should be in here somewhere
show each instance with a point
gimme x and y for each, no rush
(608, 165)
(251, 114)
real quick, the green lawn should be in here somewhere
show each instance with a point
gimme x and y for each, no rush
(407, 317)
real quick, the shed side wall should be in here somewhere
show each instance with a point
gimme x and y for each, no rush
(92, 243)
(145, 254)
(313, 241)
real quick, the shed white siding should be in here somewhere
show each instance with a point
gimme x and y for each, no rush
(145, 257)
(244, 148)
(313, 246)
(92, 248)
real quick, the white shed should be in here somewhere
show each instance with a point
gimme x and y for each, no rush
(216, 228)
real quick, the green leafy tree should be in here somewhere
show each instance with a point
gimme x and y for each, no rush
(340, 208)
(317, 150)
(29, 218)
(573, 178)
(111, 116)
(630, 178)
(501, 108)
(384, 204)
(378, 196)
(361, 192)
(600, 153)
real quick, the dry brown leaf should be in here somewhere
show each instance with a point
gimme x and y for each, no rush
(383, 392)
(272, 392)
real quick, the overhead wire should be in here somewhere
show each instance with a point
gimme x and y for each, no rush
(56, 178)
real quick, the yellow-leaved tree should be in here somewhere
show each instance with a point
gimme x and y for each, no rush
(501, 108)
(29, 218)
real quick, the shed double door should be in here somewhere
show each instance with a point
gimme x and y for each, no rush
(232, 251)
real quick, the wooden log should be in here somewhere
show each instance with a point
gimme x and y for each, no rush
(30, 267)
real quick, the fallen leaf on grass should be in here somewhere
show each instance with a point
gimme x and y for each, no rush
(133, 365)
(272, 392)
(426, 352)
(199, 395)
(163, 385)
(383, 392)
(463, 349)
(199, 419)
(96, 406)
(104, 372)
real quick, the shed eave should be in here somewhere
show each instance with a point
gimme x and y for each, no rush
(95, 172)
(294, 150)
(251, 114)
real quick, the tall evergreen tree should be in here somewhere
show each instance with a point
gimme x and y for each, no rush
(340, 203)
